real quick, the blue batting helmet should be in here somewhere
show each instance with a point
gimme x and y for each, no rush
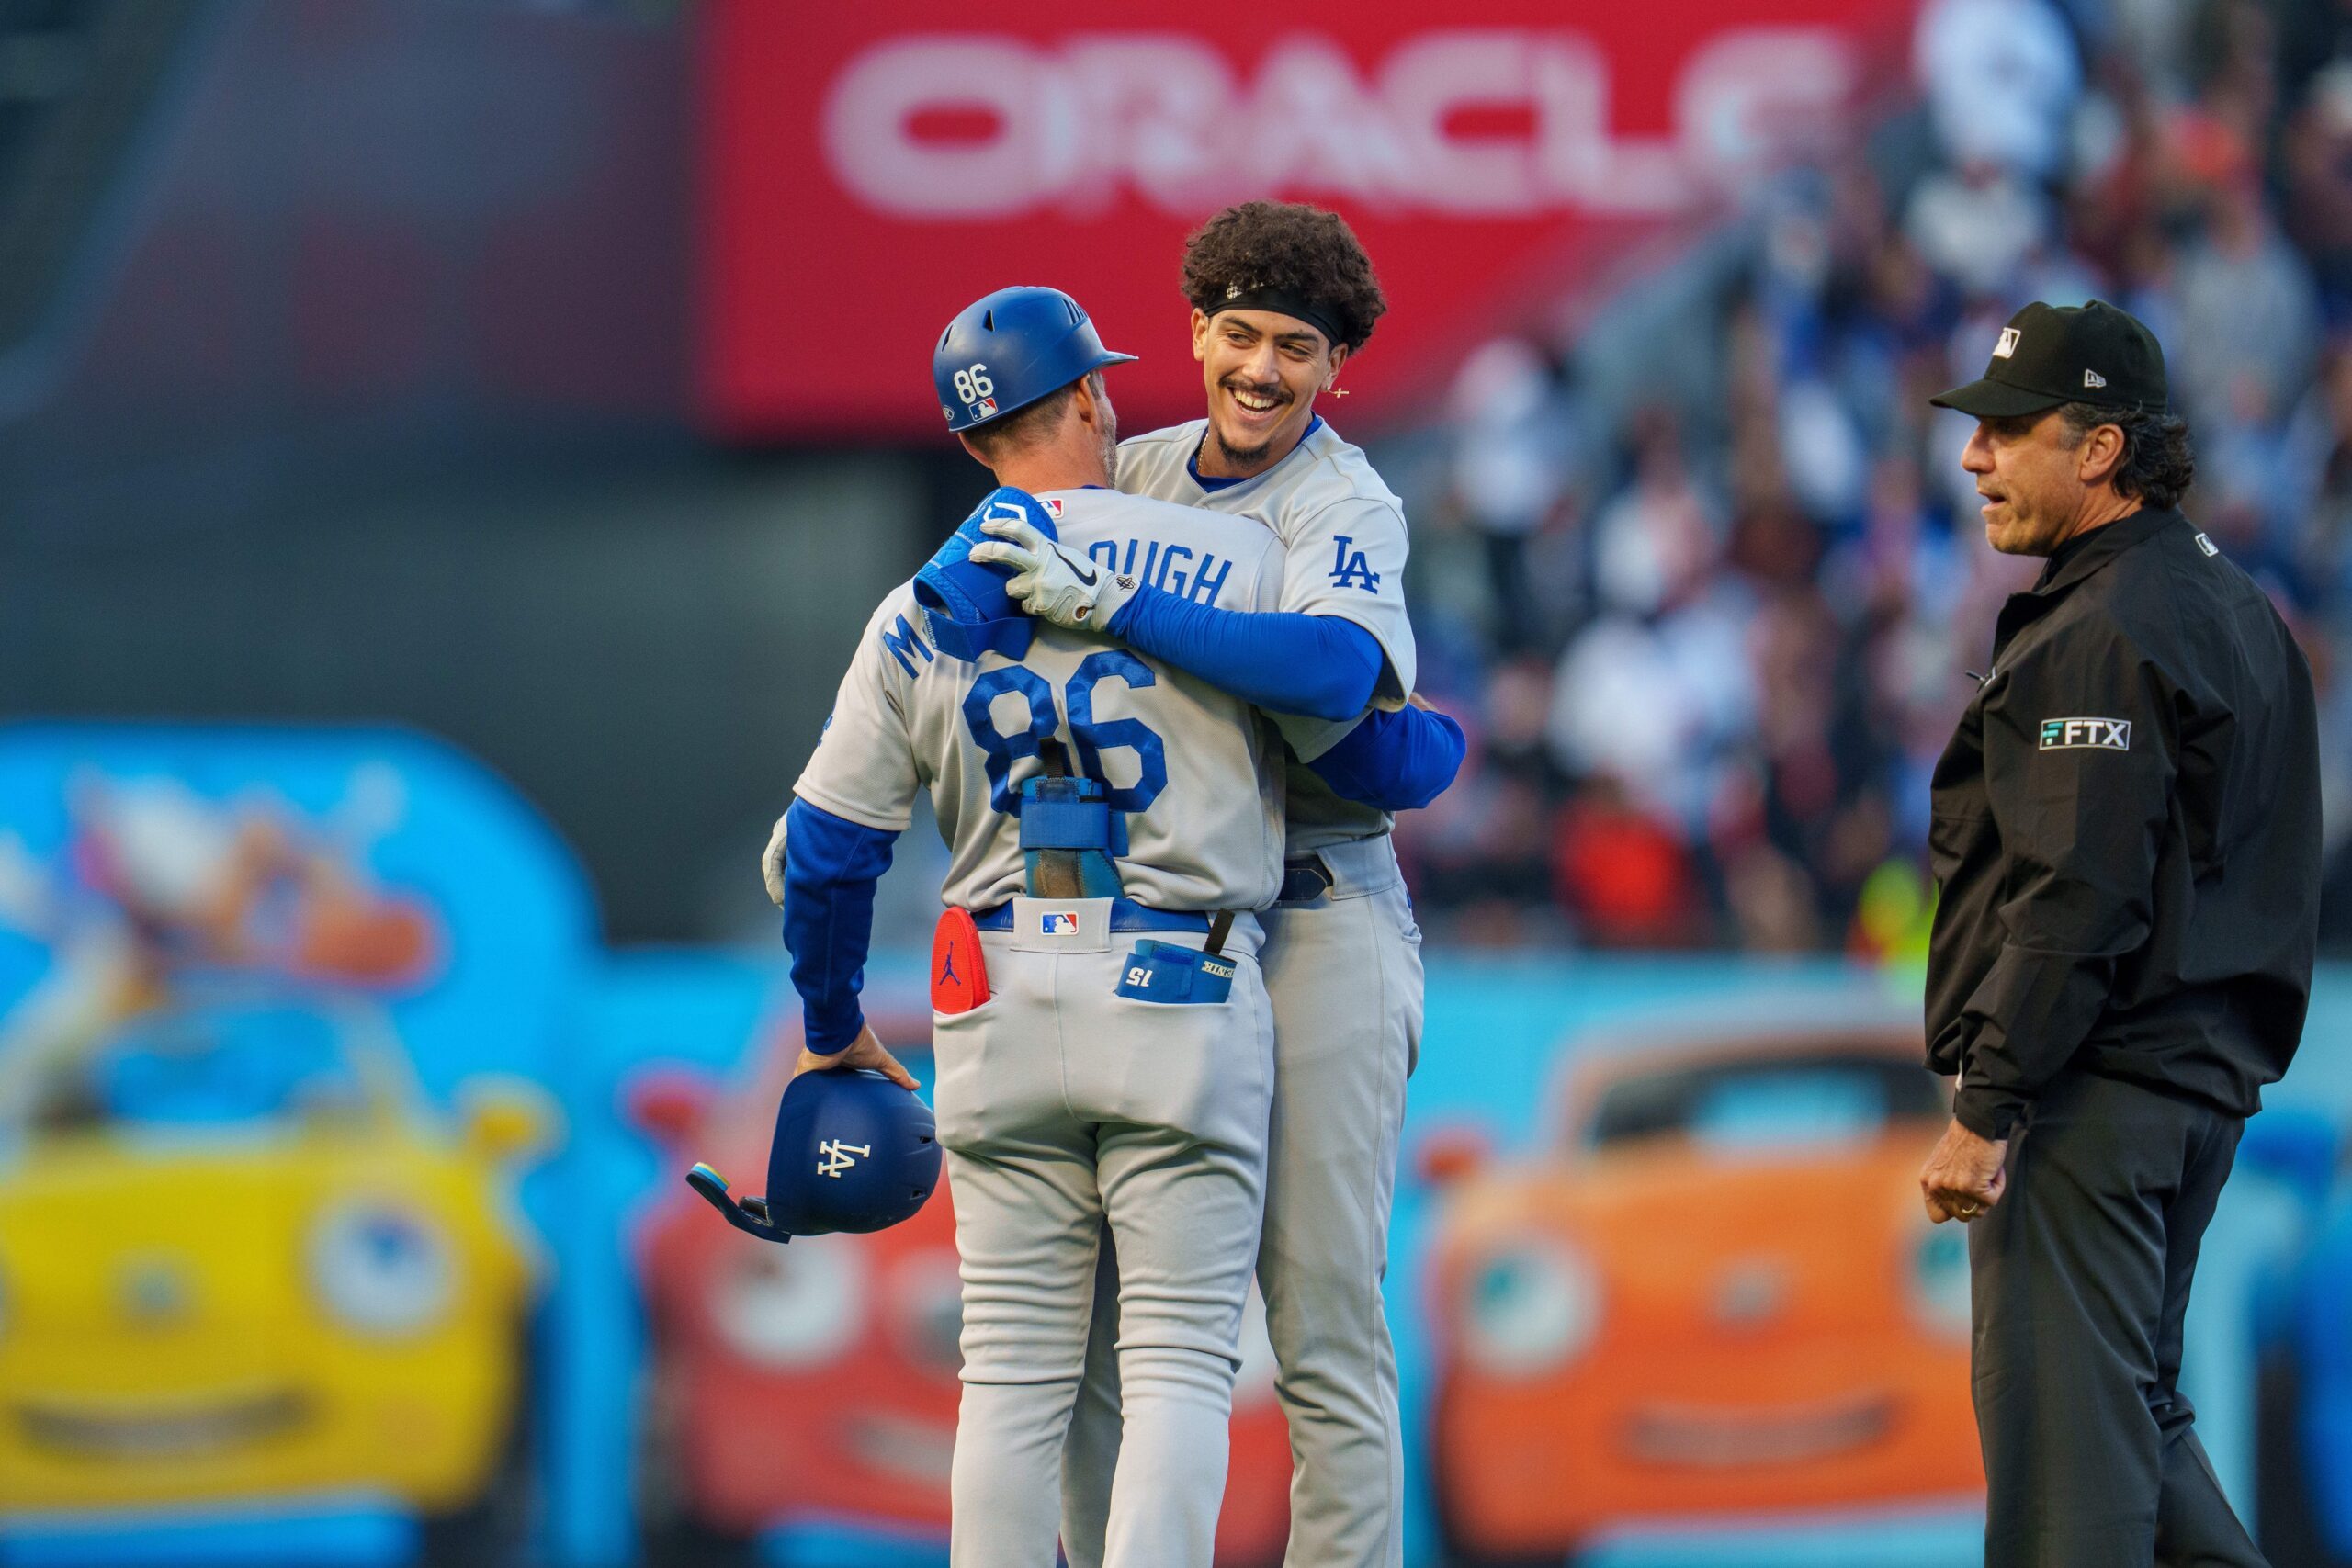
(1005, 350)
(853, 1152)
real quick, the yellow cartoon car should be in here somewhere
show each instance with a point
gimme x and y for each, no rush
(240, 1259)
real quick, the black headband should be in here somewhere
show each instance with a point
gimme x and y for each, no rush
(1282, 302)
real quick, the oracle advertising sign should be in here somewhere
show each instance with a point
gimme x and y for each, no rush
(870, 169)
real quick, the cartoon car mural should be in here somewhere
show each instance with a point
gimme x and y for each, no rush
(806, 1393)
(241, 1257)
(1715, 1293)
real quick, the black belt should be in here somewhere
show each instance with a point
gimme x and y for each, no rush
(1306, 879)
(1125, 916)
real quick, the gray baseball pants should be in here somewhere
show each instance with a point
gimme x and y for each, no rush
(1344, 972)
(1065, 1109)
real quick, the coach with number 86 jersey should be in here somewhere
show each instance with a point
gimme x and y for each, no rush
(2126, 830)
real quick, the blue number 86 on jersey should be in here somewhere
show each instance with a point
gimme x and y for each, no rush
(1091, 737)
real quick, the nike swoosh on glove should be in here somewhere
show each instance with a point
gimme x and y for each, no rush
(1047, 582)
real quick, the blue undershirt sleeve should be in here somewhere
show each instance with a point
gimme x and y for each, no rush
(1318, 666)
(1397, 762)
(831, 865)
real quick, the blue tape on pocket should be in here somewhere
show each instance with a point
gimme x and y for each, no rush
(1171, 972)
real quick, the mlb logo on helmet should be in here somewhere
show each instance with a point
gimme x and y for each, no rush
(1059, 922)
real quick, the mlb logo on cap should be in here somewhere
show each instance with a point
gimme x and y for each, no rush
(1059, 922)
(987, 409)
(2052, 354)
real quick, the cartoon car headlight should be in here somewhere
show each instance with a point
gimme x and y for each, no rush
(1939, 1280)
(382, 1268)
(790, 1306)
(1529, 1308)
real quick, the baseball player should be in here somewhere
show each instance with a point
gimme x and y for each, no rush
(1282, 295)
(1104, 1040)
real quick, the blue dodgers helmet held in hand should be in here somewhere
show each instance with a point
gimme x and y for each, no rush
(853, 1152)
(971, 611)
(1005, 350)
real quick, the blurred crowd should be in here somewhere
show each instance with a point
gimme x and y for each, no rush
(1700, 572)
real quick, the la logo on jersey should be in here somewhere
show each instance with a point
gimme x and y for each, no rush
(1059, 922)
(840, 1157)
(1350, 569)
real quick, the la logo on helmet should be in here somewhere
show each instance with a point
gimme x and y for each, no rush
(840, 1157)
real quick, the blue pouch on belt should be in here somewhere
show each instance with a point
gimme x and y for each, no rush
(969, 609)
(1071, 838)
(1171, 972)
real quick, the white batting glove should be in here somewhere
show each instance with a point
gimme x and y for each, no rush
(1047, 582)
(772, 865)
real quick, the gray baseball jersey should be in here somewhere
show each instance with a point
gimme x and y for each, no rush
(1343, 975)
(1343, 532)
(1171, 747)
(1067, 1104)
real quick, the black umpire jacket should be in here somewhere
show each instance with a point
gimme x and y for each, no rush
(2127, 834)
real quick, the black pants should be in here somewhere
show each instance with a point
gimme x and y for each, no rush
(2080, 1279)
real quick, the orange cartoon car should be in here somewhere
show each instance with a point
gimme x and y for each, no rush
(1715, 1294)
(806, 1393)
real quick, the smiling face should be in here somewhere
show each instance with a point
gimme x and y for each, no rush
(2041, 484)
(1263, 370)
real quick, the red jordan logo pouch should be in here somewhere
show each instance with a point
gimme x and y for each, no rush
(959, 976)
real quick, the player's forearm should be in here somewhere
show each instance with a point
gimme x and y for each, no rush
(1318, 666)
(1397, 762)
(829, 878)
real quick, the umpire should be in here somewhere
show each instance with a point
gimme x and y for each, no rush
(2127, 834)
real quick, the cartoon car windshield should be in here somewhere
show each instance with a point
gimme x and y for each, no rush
(272, 1061)
(1793, 1101)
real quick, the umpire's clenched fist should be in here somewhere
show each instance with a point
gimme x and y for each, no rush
(1965, 1176)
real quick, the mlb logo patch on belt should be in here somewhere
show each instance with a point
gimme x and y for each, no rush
(1057, 922)
(959, 974)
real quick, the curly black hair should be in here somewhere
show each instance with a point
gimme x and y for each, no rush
(1287, 245)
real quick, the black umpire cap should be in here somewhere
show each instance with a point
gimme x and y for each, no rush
(2050, 354)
